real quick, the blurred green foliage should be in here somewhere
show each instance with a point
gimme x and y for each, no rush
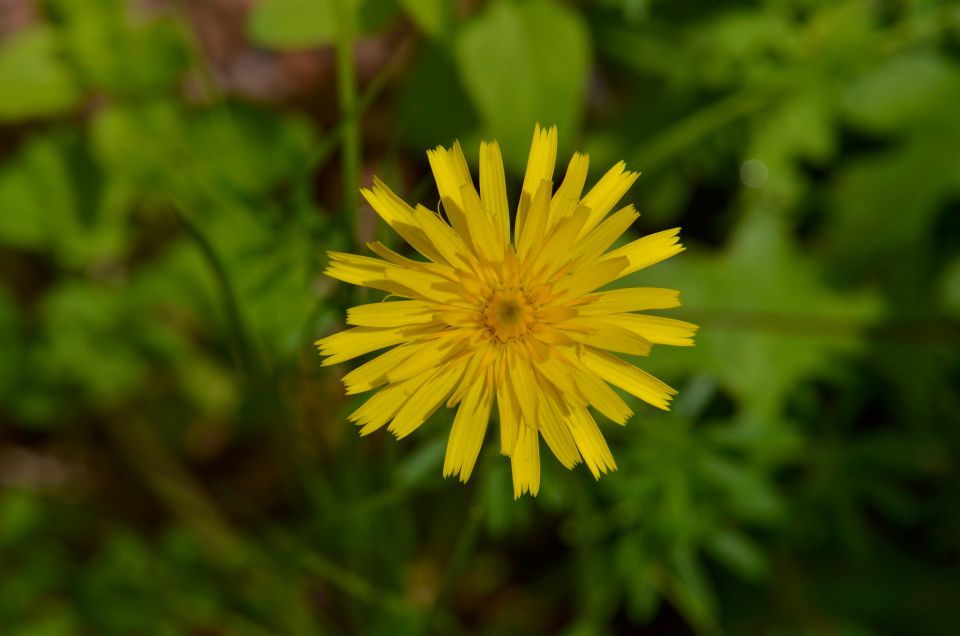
(174, 460)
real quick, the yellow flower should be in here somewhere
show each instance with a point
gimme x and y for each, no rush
(518, 323)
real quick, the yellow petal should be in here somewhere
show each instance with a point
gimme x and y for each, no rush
(431, 354)
(373, 373)
(525, 462)
(556, 251)
(656, 329)
(602, 397)
(469, 428)
(458, 221)
(427, 399)
(596, 454)
(629, 378)
(525, 386)
(605, 335)
(596, 242)
(378, 274)
(509, 417)
(629, 299)
(357, 341)
(442, 238)
(648, 250)
(587, 279)
(567, 197)
(554, 427)
(532, 230)
(493, 188)
(542, 159)
(605, 194)
(483, 229)
(450, 171)
(391, 314)
(382, 406)
(400, 217)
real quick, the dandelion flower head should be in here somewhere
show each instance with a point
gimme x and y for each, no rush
(508, 317)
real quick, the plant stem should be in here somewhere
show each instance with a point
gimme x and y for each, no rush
(347, 94)
(465, 546)
(696, 126)
(246, 356)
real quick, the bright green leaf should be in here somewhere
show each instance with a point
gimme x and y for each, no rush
(298, 24)
(292, 23)
(526, 63)
(432, 16)
(35, 79)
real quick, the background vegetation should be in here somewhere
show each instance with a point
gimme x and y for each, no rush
(174, 461)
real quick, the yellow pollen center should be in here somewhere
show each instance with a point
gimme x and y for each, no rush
(508, 314)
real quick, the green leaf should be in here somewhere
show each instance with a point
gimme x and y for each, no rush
(297, 24)
(905, 187)
(525, 63)
(432, 105)
(20, 514)
(739, 553)
(904, 93)
(38, 196)
(36, 81)
(292, 23)
(423, 464)
(767, 319)
(432, 16)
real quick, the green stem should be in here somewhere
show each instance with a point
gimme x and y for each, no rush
(339, 577)
(372, 91)
(466, 545)
(243, 348)
(347, 94)
(696, 126)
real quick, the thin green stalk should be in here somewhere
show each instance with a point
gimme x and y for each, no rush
(372, 91)
(696, 126)
(339, 577)
(347, 95)
(466, 544)
(591, 610)
(246, 356)
(185, 498)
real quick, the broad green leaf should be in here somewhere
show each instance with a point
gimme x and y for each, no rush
(432, 105)
(524, 63)
(35, 78)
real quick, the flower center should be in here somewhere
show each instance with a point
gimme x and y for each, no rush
(508, 314)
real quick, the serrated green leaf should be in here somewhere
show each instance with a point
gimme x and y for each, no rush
(767, 319)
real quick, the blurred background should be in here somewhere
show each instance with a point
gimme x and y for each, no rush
(174, 460)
